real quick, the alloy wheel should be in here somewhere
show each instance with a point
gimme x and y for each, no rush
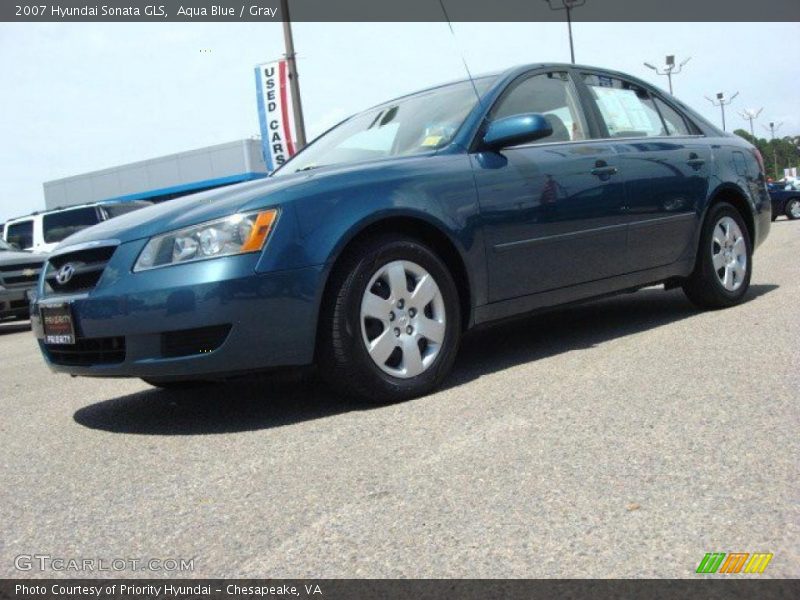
(794, 209)
(403, 319)
(729, 253)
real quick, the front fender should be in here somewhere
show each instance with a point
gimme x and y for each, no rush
(323, 213)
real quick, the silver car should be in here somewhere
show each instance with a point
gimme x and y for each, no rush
(19, 272)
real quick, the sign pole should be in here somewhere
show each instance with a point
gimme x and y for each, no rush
(294, 83)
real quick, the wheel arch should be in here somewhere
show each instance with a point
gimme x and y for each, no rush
(734, 195)
(423, 229)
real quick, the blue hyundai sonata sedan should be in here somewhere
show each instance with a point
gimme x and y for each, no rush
(372, 250)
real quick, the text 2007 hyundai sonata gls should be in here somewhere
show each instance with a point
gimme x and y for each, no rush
(372, 250)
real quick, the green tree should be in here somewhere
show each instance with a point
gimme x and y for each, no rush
(779, 154)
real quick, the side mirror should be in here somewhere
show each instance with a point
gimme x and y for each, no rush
(516, 129)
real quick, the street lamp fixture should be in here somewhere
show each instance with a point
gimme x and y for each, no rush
(773, 127)
(567, 5)
(751, 114)
(670, 69)
(722, 102)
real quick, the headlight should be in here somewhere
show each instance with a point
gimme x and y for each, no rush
(236, 234)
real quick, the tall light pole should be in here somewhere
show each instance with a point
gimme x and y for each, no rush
(294, 83)
(772, 129)
(722, 102)
(751, 114)
(670, 70)
(567, 5)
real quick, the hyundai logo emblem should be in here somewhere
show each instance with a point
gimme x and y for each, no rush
(65, 273)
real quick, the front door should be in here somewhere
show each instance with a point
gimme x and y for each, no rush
(552, 210)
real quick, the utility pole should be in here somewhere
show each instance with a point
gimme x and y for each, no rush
(294, 83)
(751, 114)
(567, 5)
(670, 69)
(722, 103)
(772, 129)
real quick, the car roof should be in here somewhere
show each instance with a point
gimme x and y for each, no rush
(504, 74)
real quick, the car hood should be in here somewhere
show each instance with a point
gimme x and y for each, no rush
(221, 202)
(175, 214)
(12, 257)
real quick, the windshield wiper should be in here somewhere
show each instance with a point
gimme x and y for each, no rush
(308, 168)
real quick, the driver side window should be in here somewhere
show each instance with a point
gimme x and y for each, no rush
(552, 95)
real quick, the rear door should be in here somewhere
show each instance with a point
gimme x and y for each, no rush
(666, 164)
(550, 209)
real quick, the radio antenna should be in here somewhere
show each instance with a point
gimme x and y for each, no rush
(463, 57)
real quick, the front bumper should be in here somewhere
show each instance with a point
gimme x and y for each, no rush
(271, 317)
(14, 303)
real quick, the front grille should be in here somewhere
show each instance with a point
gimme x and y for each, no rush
(21, 280)
(188, 342)
(24, 275)
(87, 352)
(88, 268)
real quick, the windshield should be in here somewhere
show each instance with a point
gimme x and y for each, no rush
(60, 225)
(419, 123)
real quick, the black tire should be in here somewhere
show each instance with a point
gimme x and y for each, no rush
(166, 384)
(787, 209)
(342, 354)
(703, 287)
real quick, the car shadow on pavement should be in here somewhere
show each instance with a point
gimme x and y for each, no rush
(267, 401)
(577, 327)
(247, 404)
(14, 327)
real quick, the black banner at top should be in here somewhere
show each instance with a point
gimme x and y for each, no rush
(400, 10)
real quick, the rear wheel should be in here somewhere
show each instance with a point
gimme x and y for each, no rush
(391, 321)
(793, 208)
(724, 263)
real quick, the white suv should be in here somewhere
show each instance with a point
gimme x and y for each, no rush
(41, 232)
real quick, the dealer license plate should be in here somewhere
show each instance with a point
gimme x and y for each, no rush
(57, 324)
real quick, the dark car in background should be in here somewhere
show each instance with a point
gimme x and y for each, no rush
(372, 250)
(19, 272)
(785, 199)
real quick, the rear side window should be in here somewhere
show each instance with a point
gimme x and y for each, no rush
(60, 225)
(550, 94)
(21, 234)
(675, 123)
(115, 210)
(627, 109)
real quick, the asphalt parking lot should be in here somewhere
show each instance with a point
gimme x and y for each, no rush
(621, 438)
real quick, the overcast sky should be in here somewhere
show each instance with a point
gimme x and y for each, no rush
(81, 97)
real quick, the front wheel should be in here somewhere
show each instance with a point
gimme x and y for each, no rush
(724, 263)
(390, 322)
(793, 208)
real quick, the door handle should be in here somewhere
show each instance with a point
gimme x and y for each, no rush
(604, 170)
(695, 161)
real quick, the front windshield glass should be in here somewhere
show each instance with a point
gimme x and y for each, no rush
(419, 123)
